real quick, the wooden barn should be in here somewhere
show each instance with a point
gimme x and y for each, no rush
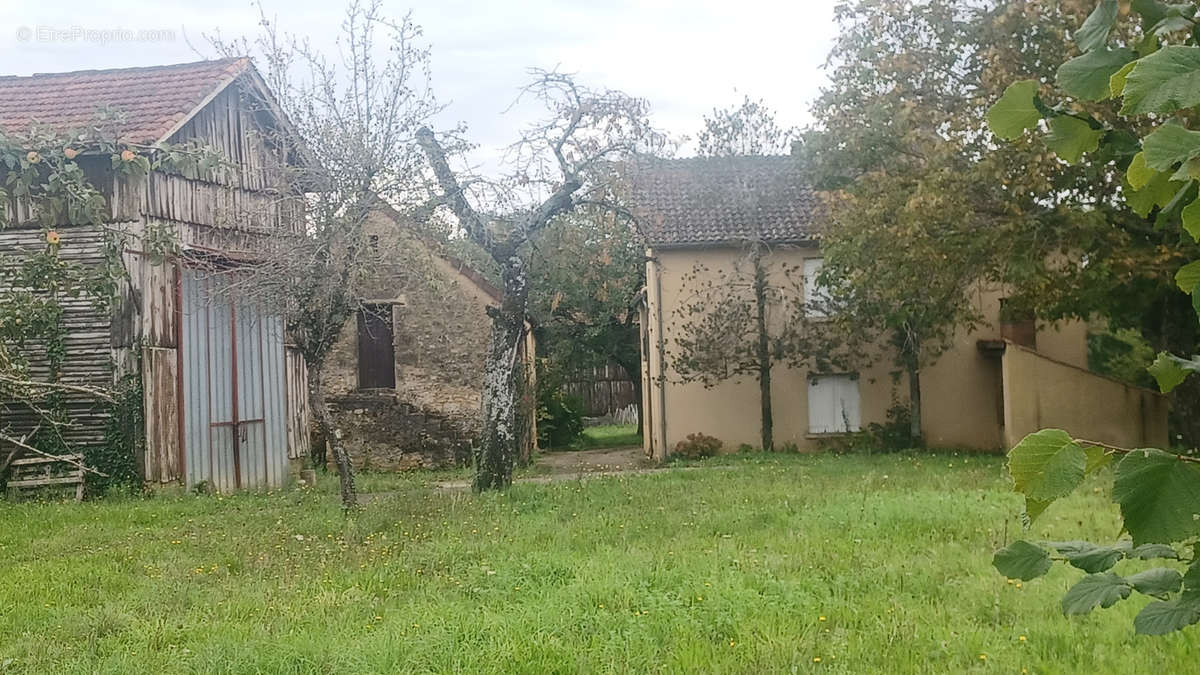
(224, 394)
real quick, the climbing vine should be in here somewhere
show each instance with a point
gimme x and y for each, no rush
(47, 187)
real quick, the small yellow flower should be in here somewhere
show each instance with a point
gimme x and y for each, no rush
(53, 238)
(983, 657)
(33, 157)
(127, 155)
(820, 618)
(1018, 584)
(1021, 638)
(816, 659)
(732, 643)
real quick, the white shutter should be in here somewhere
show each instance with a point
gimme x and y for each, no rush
(833, 404)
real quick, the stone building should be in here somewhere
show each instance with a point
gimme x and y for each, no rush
(405, 377)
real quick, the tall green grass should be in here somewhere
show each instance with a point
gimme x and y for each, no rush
(766, 563)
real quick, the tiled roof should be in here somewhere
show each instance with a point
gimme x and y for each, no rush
(714, 200)
(153, 100)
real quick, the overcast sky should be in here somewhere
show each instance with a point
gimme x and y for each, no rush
(684, 57)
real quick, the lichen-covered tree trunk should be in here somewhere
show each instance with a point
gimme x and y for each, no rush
(497, 452)
(333, 436)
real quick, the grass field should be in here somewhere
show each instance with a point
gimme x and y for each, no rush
(753, 564)
(607, 436)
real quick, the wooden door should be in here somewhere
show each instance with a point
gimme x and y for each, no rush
(376, 351)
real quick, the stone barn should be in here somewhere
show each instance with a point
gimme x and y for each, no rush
(405, 378)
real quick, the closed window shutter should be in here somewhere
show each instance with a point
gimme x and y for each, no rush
(833, 404)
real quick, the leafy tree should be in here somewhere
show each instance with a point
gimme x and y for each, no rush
(746, 129)
(561, 163)
(1158, 492)
(587, 272)
(911, 120)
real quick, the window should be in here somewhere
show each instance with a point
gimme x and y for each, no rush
(376, 351)
(833, 404)
(816, 298)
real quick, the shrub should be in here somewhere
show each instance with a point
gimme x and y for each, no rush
(123, 436)
(560, 418)
(696, 446)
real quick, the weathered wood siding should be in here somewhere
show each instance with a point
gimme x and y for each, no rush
(299, 441)
(162, 406)
(88, 361)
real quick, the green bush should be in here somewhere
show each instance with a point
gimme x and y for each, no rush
(560, 418)
(123, 439)
(696, 446)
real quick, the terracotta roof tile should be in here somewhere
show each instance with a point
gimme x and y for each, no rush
(713, 200)
(153, 99)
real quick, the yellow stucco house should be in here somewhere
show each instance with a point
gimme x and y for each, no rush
(997, 384)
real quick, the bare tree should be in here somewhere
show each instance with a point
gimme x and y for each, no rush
(353, 119)
(746, 129)
(560, 163)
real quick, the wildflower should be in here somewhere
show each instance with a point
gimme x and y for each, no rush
(53, 238)
(983, 657)
(33, 157)
(127, 155)
(820, 618)
(816, 659)
(1021, 638)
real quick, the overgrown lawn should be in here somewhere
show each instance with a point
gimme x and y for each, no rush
(760, 563)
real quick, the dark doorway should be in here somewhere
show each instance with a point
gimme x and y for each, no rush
(376, 354)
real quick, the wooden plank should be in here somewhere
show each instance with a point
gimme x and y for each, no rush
(31, 461)
(66, 480)
(160, 396)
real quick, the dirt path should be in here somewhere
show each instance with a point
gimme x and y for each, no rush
(578, 464)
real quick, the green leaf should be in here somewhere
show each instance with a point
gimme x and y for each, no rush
(1163, 82)
(1087, 556)
(1116, 83)
(1157, 192)
(1168, 145)
(1169, 371)
(1188, 276)
(1087, 77)
(1015, 112)
(1159, 582)
(1097, 457)
(1138, 174)
(1033, 509)
(1022, 560)
(1160, 618)
(1191, 219)
(1094, 31)
(1047, 464)
(1152, 11)
(1149, 551)
(1070, 137)
(1174, 208)
(1095, 590)
(1159, 496)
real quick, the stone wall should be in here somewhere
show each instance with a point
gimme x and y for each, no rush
(382, 433)
(440, 337)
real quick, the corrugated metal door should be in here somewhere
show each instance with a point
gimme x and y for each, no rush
(234, 433)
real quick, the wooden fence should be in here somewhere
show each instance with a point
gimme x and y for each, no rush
(604, 390)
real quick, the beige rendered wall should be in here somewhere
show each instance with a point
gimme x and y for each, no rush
(961, 393)
(730, 410)
(1044, 393)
